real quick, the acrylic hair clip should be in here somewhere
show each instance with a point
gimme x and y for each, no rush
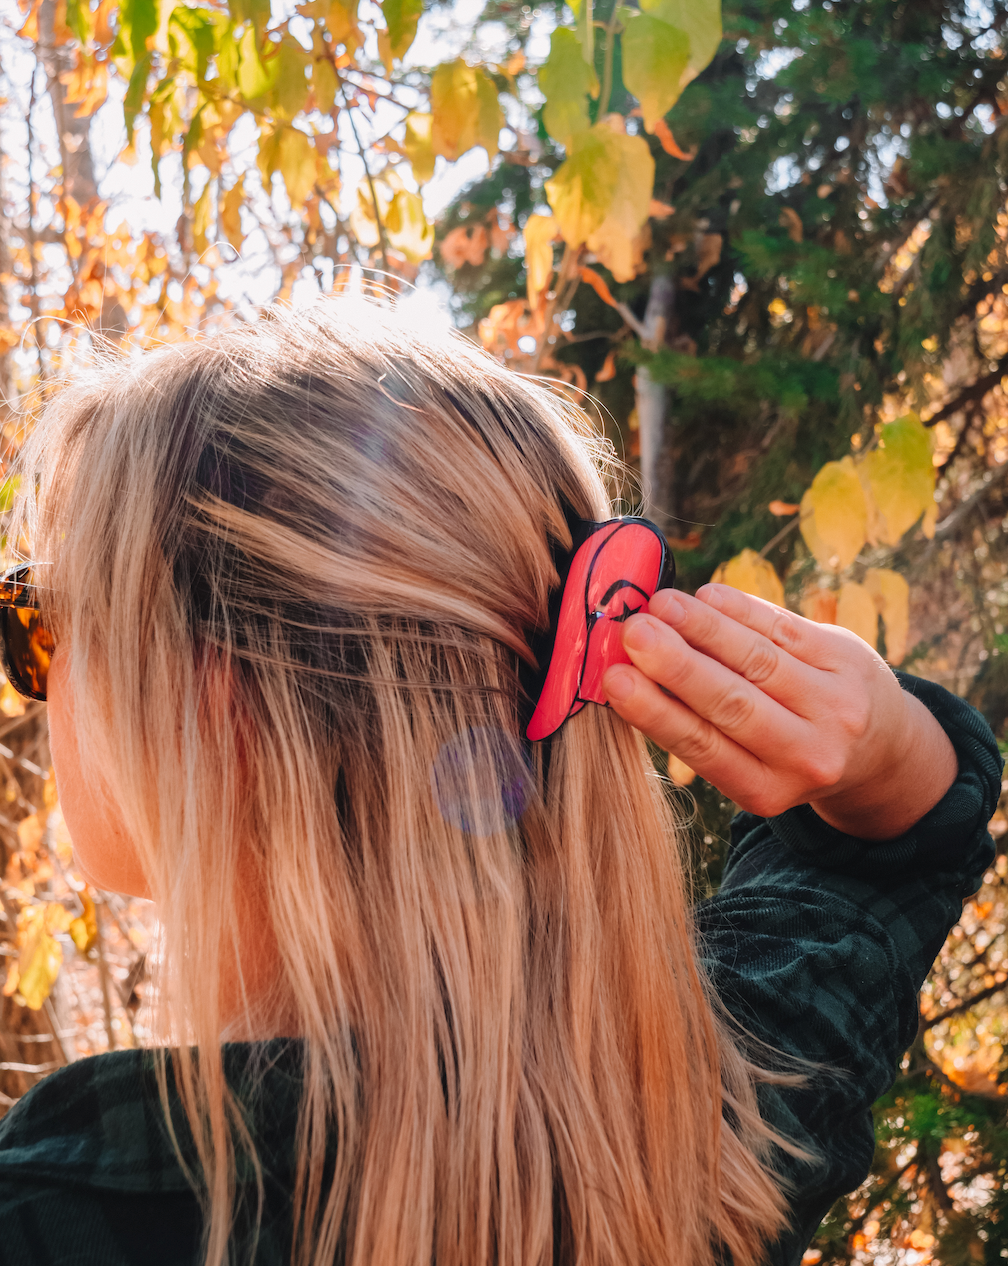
(614, 569)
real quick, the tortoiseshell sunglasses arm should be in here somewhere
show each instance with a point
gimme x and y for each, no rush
(17, 589)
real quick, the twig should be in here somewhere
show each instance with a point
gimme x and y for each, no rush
(367, 169)
(103, 974)
(568, 269)
(607, 70)
(785, 531)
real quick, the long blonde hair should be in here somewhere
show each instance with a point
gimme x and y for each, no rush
(298, 564)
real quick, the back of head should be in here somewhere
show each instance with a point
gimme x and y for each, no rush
(297, 566)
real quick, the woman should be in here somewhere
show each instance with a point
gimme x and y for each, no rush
(433, 993)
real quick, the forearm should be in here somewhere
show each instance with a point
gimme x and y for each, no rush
(923, 767)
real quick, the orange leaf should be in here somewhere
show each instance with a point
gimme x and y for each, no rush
(598, 285)
(660, 210)
(668, 142)
(691, 540)
(679, 772)
(782, 508)
(608, 371)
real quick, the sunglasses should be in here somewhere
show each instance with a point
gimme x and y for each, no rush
(26, 645)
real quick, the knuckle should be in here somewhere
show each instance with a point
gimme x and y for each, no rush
(761, 663)
(822, 769)
(785, 631)
(701, 743)
(734, 709)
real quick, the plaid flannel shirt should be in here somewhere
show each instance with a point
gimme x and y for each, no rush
(817, 943)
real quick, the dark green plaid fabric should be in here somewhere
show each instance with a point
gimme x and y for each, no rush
(817, 943)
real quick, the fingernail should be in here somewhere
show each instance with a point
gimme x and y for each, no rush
(618, 684)
(669, 608)
(711, 595)
(640, 635)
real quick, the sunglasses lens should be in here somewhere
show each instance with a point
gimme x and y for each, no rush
(27, 649)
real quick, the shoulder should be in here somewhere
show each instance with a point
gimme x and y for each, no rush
(87, 1173)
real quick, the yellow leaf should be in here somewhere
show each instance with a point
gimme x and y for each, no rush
(465, 110)
(324, 79)
(566, 82)
(362, 217)
(407, 228)
(752, 574)
(679, 772)
(617, 250)
(203, 217)
(655, 57)
(902, 477)
(834, 515)
(540, 233)
(856, 611)
(84, 929)
(50, 796)
(231, 212)
(11, 983)
(608, 176)
(30, 833)
(38, 970)
(296, 162)
(11, 703)
(418, 147)
(290, 87)
(891, 595)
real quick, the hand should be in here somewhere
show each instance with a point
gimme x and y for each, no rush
(777, 711)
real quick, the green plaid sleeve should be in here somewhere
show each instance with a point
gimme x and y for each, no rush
(818, 943)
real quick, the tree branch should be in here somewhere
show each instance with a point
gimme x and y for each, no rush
(976, 391)
(966, 1004)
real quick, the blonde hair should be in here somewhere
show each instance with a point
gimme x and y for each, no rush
(297, 563)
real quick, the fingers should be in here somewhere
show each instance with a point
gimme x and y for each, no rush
(741, 710)
(820, 645)
(675, 728)
(757, 656)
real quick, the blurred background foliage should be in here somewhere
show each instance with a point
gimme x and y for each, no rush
(766, 247)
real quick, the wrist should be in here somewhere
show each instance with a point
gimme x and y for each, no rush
(897, 795)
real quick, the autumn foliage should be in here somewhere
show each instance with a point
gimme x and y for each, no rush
(771, 243)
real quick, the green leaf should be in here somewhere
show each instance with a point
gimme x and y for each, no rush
(465, 110)
(418, 147)
(566, 82)
(401, 18)
(655, 57)
(138, 21)
(407, 228)
(191, 39)
(699, 20)
(79, 19)
(254, 78)
(8, 489)
(290, 87)
(133, 100)
(608, 176)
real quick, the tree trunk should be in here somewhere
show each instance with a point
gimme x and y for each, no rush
(652, 398)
